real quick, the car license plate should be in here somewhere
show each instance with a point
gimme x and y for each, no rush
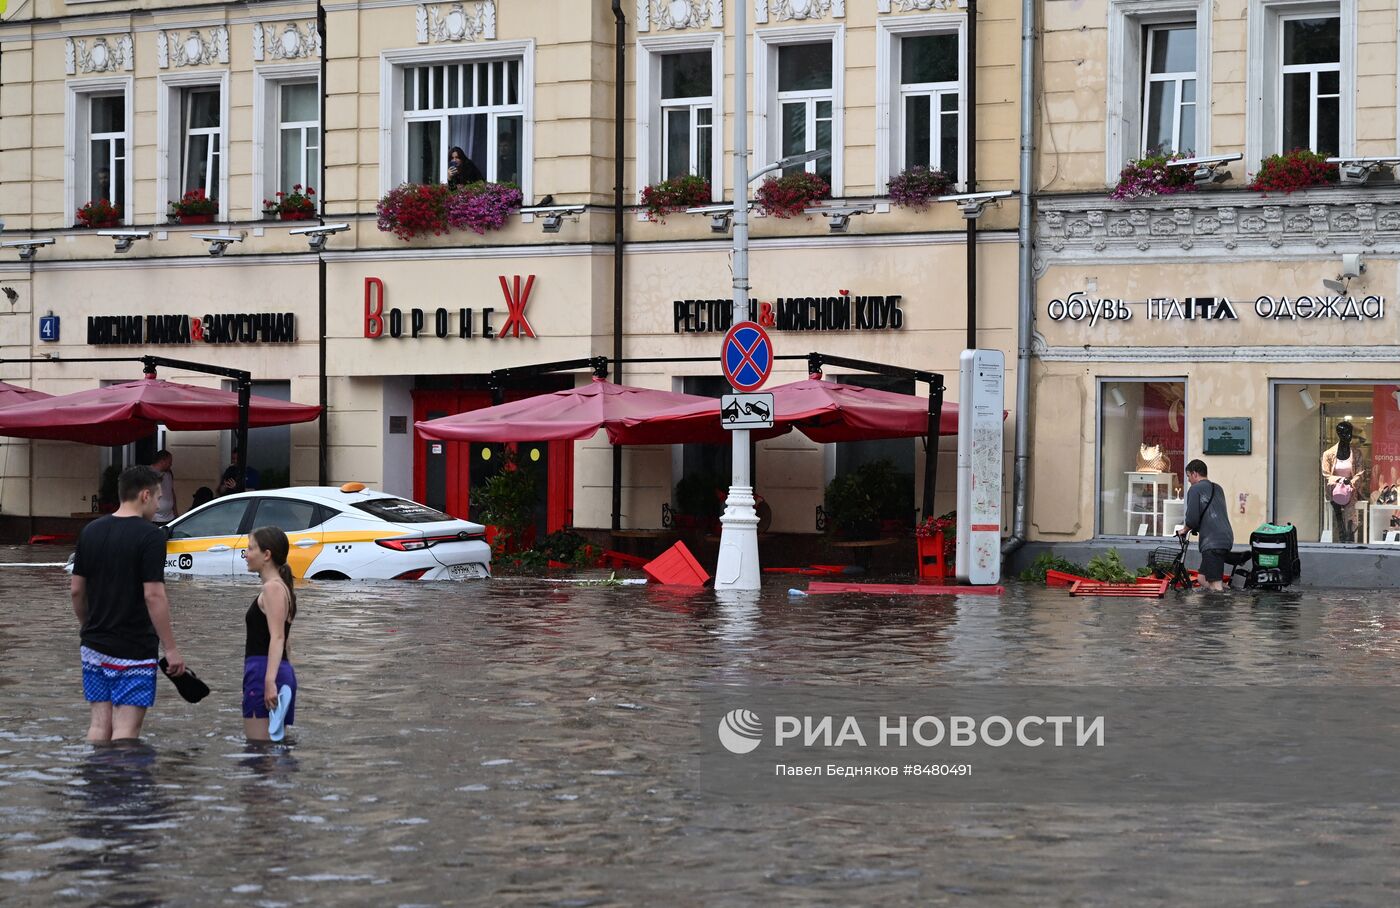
(473, 571)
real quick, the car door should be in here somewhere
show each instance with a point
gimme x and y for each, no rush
(203, 542)
(301, 520)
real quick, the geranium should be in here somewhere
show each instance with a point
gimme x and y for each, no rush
(1151, 176)
(948, 526)
(676, 194)
(194, 202)
(295, 204)
(99, 213)
(414, 209)
(1298, 169)
(480, 207)
(788, 196)
(915, 187)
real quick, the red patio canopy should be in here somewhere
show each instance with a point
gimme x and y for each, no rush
(576, 413)
(824, 411)
(118, 414)
(10, 395)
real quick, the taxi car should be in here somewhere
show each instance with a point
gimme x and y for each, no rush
(336, 533)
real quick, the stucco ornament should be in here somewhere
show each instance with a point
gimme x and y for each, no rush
(796, 10)
(192, 48)
(664, 15)
(921, 6)
(455, 22)
(98, 55)
(286, 41)
(1096, 230)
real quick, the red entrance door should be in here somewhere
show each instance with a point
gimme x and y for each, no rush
(444, 472)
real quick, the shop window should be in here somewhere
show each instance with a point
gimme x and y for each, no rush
(1336, 459)
(476, 98)
(798, 107)
(1169, 90)
(679, 80)
(1141, 454)
(270, 447)
(98, 140)
(886, 465)
(1158, 80)
(702, 473)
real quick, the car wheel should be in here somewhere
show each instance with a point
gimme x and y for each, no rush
(330, 575)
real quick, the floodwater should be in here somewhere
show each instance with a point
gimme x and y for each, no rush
(524, 742)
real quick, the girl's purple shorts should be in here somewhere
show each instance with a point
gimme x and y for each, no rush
(254, 671)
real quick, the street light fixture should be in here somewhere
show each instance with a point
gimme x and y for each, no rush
(27, 248)
(972, 203)
(124, 238)
(554, 215)
(218, 242)
(1208, 170)
(1359, 171)
(316, 236)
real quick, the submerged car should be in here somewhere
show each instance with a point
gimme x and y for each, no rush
(336, 533)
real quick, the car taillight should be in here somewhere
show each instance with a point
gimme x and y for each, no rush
(415, 574)
(418, 543)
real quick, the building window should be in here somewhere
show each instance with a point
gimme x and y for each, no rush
(298, 135)
(476, 106)
(804, 105)
(930, 102)
(201, 140)
(1309, 115)
(1169, 90)
(98, 140)
(1142, 448)
(686, 110)
(1327, 496)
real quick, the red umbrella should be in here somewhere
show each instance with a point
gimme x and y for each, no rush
(824, 411)
(14, 394)
(118, 414)
(572, 414)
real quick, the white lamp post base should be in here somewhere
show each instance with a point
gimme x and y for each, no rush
(738, 567)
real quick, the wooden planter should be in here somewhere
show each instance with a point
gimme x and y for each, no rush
(196, 218)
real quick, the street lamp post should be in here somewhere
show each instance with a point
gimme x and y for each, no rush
(738, 567)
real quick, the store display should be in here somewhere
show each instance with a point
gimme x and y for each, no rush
(1343, 475)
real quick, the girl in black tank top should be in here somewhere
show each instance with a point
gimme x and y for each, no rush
(267, 665)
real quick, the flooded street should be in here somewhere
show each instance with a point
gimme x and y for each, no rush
(526, 742)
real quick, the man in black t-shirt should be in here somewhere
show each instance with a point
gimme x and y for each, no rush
(118, 591)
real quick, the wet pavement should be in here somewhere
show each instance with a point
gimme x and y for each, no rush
(526, 742)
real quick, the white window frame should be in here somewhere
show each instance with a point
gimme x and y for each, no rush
(1263, 120)
(1128, 21)
(170, 146)
(767, 110)
(78, 145)
(889, 91)
(393, 131)
(1177, 80)
(651, 123)
(267, 126)
(1314, 70)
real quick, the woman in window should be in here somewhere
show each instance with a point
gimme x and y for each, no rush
(460, 169)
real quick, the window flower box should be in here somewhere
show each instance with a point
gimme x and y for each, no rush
(295, 205)
(789, 196)
(1150, 176)
(1298, 169)
(676, 194)
(194, 207)
(419, 209)
(916, 187)
(99, 214)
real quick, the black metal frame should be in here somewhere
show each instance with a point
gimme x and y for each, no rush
(148, 367)
(815, 361)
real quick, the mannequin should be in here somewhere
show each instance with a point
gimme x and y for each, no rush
(1343, 472)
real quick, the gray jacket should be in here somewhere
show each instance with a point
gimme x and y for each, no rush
(1207, 514)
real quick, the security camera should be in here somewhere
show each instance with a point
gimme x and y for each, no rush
(27, 248)
(1359, 171)
(1352, 267)
(316, 236)
(124, 238)
(972, 203)
(1207, 170)
(218, 242)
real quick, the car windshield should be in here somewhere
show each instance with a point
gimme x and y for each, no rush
(401, 510)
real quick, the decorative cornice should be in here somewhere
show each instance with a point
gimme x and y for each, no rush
(679, 14)
(456, 22)
(797, 10)
(285, 41)
(921, 6)
(101, 55)
(1214, 225)
(192, 48)
(1221, 354)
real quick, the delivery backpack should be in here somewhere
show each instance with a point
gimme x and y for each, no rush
(1273, 552)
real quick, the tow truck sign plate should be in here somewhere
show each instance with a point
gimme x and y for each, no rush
(746, 411)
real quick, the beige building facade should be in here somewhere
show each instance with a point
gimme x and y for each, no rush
(142, 106)
(1223, 323)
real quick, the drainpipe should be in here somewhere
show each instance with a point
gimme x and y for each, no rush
(322, 387)
(1021, 471)
(971, 172)
(619, 111)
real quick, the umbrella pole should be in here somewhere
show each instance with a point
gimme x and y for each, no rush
(245, 390)
(935, 421)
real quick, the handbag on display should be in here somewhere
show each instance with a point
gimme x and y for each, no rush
(1342, 493)
(1152, 459)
